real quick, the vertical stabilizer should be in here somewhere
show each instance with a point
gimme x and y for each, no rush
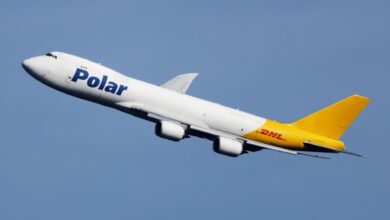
(335, 119)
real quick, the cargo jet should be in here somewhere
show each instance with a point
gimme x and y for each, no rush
(179, 116)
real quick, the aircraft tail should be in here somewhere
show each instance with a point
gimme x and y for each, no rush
(335, 119)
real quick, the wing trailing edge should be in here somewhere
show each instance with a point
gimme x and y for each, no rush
(205, 131)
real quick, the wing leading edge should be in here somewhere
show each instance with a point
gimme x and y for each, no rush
(199, 129)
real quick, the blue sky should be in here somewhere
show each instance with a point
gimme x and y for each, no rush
(65, 158)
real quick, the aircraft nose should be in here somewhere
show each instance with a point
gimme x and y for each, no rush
(26, 64)
(32, 66)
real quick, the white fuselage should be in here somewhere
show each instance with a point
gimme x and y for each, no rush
(94, 82)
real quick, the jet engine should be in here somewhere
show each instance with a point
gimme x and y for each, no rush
(170, 131)
(228, 147)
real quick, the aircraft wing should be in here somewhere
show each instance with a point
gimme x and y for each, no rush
(250, 145)
(199, 129)
(180, 83)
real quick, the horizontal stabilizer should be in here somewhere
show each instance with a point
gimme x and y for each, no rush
(353, 154)
(180, 83)
(309, 146)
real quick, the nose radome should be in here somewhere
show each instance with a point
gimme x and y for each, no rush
(32, 66)
(26, 64)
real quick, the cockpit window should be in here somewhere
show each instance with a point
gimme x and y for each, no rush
(51, 55)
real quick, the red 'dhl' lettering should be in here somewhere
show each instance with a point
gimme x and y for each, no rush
(272, 134)
(264, 131)
(279, 137)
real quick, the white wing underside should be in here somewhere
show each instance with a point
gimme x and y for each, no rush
(180, 83)
(201, 127)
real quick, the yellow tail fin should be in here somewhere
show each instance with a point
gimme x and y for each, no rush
(335, 119)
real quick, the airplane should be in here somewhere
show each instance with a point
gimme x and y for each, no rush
(178, 116)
